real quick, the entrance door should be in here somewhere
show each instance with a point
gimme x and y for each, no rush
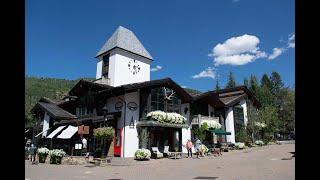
(117, 142)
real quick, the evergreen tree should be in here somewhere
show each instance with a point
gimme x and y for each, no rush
(276, 83)
(231, 81)
(254, 85)
(265, 81)
(217, 85)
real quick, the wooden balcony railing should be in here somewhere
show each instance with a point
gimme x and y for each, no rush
(198, 118)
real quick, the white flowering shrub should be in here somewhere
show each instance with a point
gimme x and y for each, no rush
(42, 154)
(56, 156)
(163, 117)
(239, 145)
(260, 124)
(259, 143)
(142, 154)
(43, 150)
(57, 152)
(212, 124)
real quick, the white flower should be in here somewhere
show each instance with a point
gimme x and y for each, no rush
(167, 117)
(239, 145)
(212, 124)
(259, 142)
(142, 154)
(56, 152)
(43, 150)
(260, 124)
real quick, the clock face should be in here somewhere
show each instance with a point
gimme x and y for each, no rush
(134, 67)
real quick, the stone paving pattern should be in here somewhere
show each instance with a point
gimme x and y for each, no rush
(253, 163)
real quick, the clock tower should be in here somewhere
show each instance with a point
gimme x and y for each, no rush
(123, 60)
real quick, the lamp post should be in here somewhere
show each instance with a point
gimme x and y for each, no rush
(105, 111)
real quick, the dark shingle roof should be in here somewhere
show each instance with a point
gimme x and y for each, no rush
(125, 39)
(167, 82)
(229, 96)
(54, 110)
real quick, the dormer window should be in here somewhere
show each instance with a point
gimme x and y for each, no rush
(105, 66)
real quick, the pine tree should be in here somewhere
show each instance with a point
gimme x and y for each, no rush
(265, 81)
(276, 83)
(231, 81)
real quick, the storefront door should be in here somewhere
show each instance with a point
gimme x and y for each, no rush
(117, 142)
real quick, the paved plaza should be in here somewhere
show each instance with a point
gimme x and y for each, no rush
(267, 162)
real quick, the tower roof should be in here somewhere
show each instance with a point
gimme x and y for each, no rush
(125, 39)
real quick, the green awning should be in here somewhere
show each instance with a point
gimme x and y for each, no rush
(219, 132)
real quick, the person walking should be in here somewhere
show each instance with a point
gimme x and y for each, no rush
(198, 147)
(189, 147)
(33, 153)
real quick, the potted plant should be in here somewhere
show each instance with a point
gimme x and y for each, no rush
(43, 153)
(142, 154)
(105, 135)
(56, 156)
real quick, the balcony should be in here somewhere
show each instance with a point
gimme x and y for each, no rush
(198, 118)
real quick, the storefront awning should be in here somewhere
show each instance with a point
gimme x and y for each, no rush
(56, 131)
(42, 132)
(219, 132)
(159, 124)
(68, 133)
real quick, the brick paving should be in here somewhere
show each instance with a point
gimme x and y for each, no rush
(267, 162)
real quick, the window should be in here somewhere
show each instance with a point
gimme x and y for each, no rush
(238, 118)
(105, 66)
(155, 100)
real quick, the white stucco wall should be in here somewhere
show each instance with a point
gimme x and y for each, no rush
(45, 124)
(230, 125)
(243, 104)
(186, 132)
(131, 141)
(119, 72)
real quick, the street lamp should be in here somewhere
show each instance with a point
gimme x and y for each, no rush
(105, 111)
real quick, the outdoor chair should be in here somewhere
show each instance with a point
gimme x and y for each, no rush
(156, 153)
(166, 151)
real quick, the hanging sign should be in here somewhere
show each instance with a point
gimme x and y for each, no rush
(83, 129)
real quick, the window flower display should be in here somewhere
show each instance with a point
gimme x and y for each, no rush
(212, 124)
(56, 156)
(142, 154)
(163, 117)
(43, 153)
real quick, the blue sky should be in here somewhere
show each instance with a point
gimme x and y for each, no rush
(195, 42)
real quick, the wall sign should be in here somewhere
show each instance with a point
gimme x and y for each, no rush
(132, 106)
(118, 106)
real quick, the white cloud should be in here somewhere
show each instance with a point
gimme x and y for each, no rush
(157, 68)
(237, 51)
(276, 52)
(208, 73)
(184, 86)
(291, 41)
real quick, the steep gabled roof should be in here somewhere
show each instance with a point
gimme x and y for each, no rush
(228, 97)
(125, 39)
(54, 111)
